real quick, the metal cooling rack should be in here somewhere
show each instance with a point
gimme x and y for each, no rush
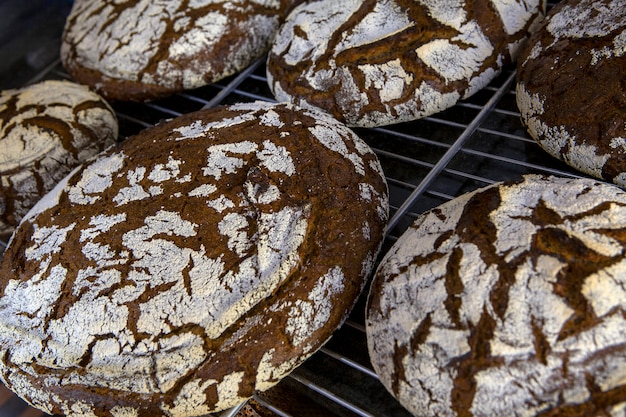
(427, 162)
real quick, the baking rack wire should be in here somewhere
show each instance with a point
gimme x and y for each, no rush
(478, 142)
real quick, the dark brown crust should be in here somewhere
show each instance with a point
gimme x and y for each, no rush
(333, 94)
(114, 89)
(325, 184)
(585, 101)
(51, 112)
(228, 53)
(551, 355)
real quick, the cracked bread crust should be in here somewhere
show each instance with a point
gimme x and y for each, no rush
(571, 83)
(195, 263)
(507, 301)
(378, 62)
(142, 50)
(47, 129)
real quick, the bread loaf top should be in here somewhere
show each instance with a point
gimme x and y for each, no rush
(142, 50)
(507, 301)
(570, 87)
(46, 129)
(200, 261)
(378, 62)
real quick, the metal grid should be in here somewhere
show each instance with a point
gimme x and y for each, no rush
(427, 162)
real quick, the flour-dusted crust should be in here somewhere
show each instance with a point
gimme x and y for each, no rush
(46, 129)
(378, 62)
(571, 83)
(197, 262)
(508, 301)
(141, 50)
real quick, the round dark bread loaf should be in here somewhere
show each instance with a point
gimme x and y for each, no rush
(378, 62)
(571, 83)
(141, 50)
(507, 301)
(197, 262)
(46, 129)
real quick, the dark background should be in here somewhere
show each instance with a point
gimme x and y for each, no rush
(30, 37)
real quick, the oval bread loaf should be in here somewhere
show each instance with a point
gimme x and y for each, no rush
(571, 87)
(47, 129)
(197, 262)
(378, 62)
(141, 50)
(508, 301)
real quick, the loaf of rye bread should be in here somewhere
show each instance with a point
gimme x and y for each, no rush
(197, 262)
(378, 62)
(142, 50)
(46, 129)
(571, 87)
(507, 301)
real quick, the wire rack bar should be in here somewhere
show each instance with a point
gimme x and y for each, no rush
(233, 84)
(330, 395)
(452, 151)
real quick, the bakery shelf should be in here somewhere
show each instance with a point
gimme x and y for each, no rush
(427, 162)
